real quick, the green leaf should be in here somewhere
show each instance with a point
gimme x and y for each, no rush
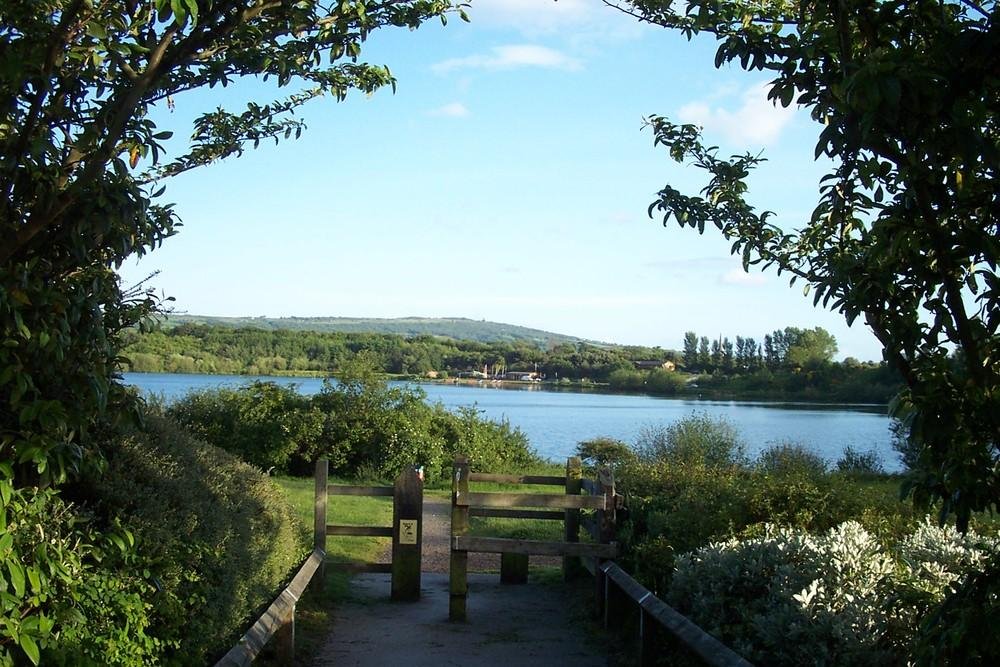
(6, 490)
(16, 577)
(192, 8)
(97, 30)
(30, 648)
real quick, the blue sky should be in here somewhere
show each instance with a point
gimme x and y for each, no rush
(507, 179)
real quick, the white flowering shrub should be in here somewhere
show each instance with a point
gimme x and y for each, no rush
(786, 597)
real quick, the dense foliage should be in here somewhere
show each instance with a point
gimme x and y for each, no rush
(788, 561)
(840, 597)
(80, 179)
(906, 99)
(361, 425)
(214, 538)
(692, 483)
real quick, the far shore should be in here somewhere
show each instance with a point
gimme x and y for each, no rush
(563, 384)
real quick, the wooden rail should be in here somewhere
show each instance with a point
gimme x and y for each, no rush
(656, 616)
(277, 621)
(515, 553)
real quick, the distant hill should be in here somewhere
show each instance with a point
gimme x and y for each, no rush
(457, 328)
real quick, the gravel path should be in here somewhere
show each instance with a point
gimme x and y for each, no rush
(510, 626)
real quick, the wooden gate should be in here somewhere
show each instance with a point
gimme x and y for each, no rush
(514, 553)
(406, 530)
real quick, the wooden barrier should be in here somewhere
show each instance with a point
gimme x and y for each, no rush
(515, 553)
(654, 615)
(277, 621)
(407, 498)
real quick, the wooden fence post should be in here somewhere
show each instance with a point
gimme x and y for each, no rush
(605, 533)
(284, 639)
(571, 522)
(319, 519)
(407, 535)
(513, 568)
(648, 633)
(459, 567)
(615, 604)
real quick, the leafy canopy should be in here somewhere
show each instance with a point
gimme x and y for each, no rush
(81, 170)
(905, 230)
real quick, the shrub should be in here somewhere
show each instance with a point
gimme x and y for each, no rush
(491, 446)
(268, 425)
(604, 451)
(661, 381)
(216, 537)
(785, 597)
(362, 422)
(961, 630)
(367, 422)
(69, 594)
(789, 458)
(860, 463)
(698, 439)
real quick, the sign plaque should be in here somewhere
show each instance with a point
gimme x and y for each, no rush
(407, 531)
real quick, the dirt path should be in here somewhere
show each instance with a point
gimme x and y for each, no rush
(533, 625)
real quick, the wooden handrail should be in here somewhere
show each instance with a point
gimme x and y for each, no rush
(279, 616)
(713, 652)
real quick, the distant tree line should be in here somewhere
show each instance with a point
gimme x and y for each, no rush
(788, 348)
(789, 363)
(206, 349)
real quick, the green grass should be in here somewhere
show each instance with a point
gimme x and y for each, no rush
(314, 612)
(343, 510)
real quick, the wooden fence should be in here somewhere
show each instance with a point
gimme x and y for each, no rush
(406, 529)
(656, 617)
(514, 553)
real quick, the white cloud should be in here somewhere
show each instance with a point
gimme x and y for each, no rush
(741, 277)
(452, 110)
(756, 120)
(512, 56)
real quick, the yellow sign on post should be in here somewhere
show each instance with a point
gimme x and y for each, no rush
(408, 531)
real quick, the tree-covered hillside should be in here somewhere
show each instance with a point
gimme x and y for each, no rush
(458, 328)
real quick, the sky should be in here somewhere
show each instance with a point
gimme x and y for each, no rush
(507, 179)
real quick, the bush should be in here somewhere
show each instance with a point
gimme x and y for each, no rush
(604, 451)
(962, 629)
(361, 423)
(69, 594)
(860, 463)
(698, 439)
(790, 458)
(491, 446)
(216, 537)
(786, 597)
(268, 425)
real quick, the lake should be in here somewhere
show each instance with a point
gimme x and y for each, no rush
(555, 421)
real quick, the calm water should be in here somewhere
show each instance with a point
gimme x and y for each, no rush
(555, 421)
